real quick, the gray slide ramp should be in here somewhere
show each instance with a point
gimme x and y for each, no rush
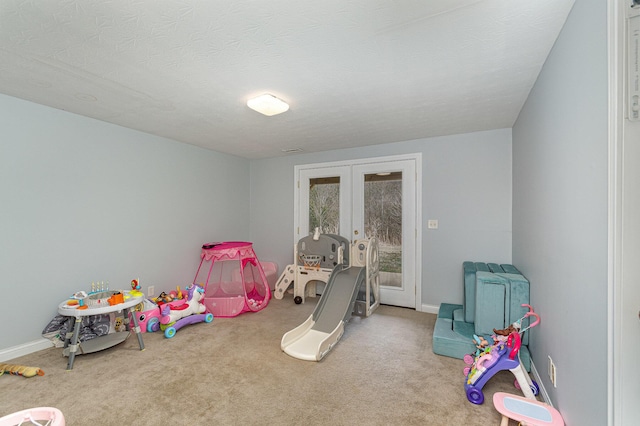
(321, 331)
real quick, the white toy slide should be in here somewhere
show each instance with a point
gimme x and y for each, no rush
(315, 337)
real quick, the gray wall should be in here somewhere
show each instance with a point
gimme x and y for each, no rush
(560, 213)
(83, 201)
(466, 185)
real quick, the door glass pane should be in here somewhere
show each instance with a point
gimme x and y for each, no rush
(383, 220)
(324, 204)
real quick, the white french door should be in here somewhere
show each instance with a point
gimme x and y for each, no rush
(364, 199)
(624, 225)
(384, 207)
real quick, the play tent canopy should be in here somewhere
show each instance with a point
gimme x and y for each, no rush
(233, 279)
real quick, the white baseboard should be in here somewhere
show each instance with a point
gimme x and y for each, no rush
(24, 349)
(430, 309)
(543, 391)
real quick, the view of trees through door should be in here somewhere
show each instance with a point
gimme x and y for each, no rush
(383, 220)
(324, 204)
(382, 215)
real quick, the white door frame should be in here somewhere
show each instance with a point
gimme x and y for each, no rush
(623, 230)
(417, 158)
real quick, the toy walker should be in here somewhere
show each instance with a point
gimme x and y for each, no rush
(177, 314)
(502, 355)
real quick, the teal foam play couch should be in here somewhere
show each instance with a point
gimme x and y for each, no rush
(493, 298)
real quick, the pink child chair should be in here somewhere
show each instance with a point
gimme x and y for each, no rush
(48, 416)
(528, 412)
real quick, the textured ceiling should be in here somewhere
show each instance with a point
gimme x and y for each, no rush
(355, 72)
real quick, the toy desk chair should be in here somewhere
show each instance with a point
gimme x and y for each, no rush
(526, 411)
(42, 416)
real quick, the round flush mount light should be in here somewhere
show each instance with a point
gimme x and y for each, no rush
(268, 105)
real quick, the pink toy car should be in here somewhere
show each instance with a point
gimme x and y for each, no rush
(149, 316)
(150, 310)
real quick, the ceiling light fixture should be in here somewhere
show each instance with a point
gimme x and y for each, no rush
(268, 105)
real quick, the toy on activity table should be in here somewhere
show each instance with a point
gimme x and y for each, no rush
(20, 370)
(135, 288)
(175, 315)
(99, 287)
(502, 355)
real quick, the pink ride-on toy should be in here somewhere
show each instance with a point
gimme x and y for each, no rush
(503, 355)
(175, 315)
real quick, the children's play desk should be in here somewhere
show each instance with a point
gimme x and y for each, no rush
(96, 305)
(529, 412)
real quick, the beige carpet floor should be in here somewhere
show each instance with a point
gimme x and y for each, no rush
(232, 372)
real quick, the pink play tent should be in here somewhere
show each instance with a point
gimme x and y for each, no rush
(233, 278)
